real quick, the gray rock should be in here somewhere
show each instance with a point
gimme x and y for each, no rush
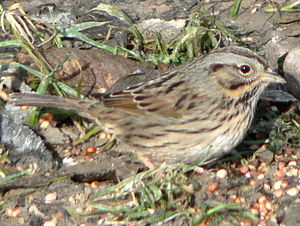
(291, 68)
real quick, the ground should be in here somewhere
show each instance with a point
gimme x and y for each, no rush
(55, 182)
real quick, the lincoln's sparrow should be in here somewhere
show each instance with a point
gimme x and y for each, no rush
(198, 109)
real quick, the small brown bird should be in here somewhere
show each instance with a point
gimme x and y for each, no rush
(201, 109)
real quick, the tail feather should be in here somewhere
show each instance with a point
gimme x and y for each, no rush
(31, 99)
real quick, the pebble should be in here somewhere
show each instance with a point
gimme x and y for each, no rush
(278, 193)
(277, 185)
(292, 163)
(292, 191)
(260, 176)
(50, 223)
(292, 172)
(222, 173)
(51, 197)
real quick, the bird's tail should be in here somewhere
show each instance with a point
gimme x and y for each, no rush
(31, 99)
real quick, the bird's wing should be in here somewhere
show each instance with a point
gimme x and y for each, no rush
(153, 97)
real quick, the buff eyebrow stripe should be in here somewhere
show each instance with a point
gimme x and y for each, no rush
(242, 53)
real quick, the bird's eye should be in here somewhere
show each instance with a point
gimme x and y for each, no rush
(245, 69)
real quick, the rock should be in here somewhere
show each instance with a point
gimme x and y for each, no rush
(291, 68)
(277, 47)
(291, 214)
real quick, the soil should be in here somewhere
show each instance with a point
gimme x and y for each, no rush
(264, 182)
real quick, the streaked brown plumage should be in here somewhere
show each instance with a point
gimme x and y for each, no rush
(200, 109)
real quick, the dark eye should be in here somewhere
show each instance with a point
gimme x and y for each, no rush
(245, 69)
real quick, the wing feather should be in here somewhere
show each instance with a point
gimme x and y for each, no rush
(152, 97)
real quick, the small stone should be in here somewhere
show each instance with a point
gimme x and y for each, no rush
(189, 188)
(267, 186)
(278, 193)
(292, 172)
(292, 192)
(260, 176)
(292, 163)
(50, 223)
(277, 185)
(51, 197)
(222, 173)
(199, 170)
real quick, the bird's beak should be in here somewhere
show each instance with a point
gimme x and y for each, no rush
(272, 77)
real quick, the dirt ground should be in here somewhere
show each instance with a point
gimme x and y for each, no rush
(91, 184)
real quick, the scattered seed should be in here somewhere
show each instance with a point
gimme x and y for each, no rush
(269, 205)
(233, 196)
(246, 223)
(95, 184)
(3, 95)
(59, 215)
(13, 212)
(284, 184)
(262, 199)
(243, 169)
(254, 211)
(252, 182)
(212, 187)
(24, 108)
(91, 150)
(281, 165)
(46, 119)
(252, 167)
(2, 174)
(279, 173)
(88, 158)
